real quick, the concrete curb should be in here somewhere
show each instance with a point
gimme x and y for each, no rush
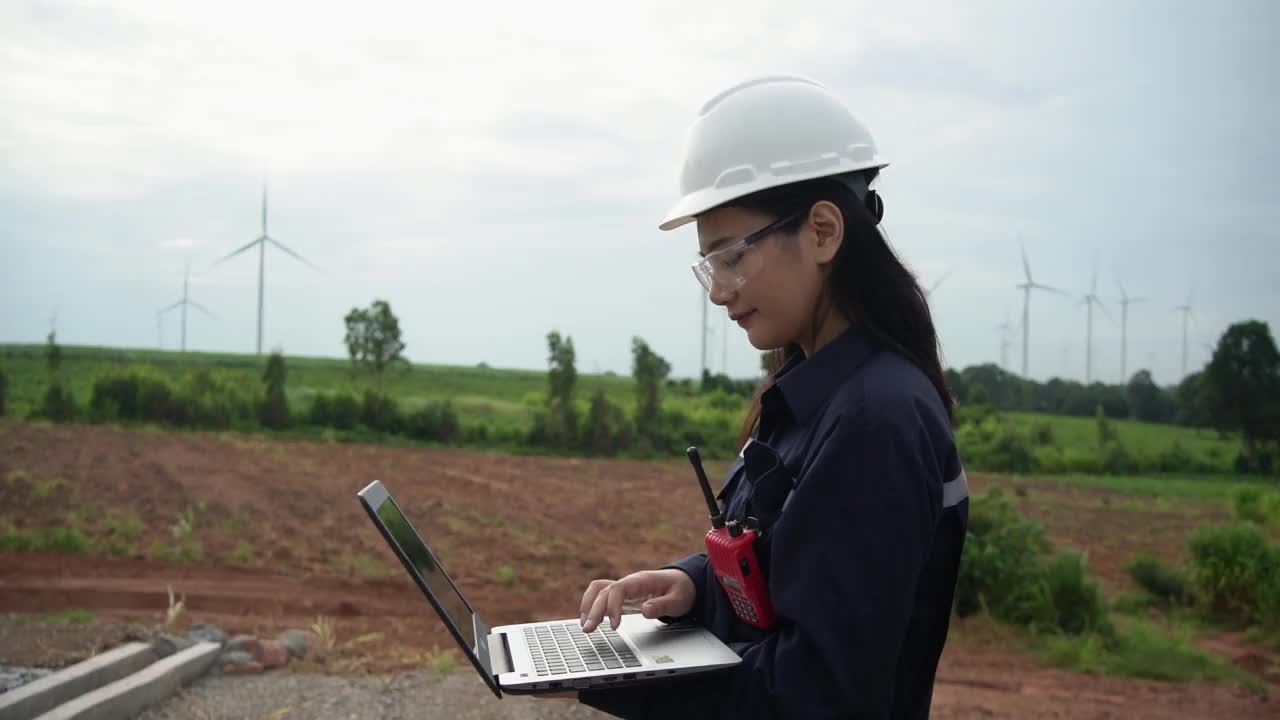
(51, 691)
(127, 697)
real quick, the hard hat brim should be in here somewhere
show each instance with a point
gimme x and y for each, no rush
(688, 208)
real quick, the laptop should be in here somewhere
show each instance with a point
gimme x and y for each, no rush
(546, 656)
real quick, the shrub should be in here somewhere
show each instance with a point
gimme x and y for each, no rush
(340, 411)
(380, 412)
(1042, 434)
(1165, 584)
(436, 421)
(1078, 606)
(605, 430)
(1229, 566)
(59, 405)
(1001, 565)
(1116, 460)
(4, 390)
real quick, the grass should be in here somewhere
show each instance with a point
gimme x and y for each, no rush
(242, 554)
(1141, 438)
(47, 539)
(1142, 651)
(507, 575)
(66, 617)
(360, 564)
(1184, 487)
(126, 526)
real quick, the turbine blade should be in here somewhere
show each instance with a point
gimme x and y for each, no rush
(1026, 264)
(295, 255)
(1103, 308)
(167, 308)
(1038, 286)
(936, 283)
(201, 308)
(225, 258)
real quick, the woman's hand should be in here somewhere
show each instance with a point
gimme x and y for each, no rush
(663, 592)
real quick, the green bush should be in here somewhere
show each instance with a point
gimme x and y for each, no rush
(1139, 652)
(1116, 459)
(4, 390)
(380, 412)
(1164, 584)
(1230, 565)
(1043, 435)
(338, 410)
(1000, 569)
(1078, 606)
(1257, 506)
(59, 405)
(990, 445)
(606, 430)
(436, 422)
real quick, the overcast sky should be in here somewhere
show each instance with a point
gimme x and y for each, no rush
(499, 170)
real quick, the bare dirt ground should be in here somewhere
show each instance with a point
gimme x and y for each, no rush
(284, 541)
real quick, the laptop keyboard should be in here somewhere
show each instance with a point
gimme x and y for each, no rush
(562, 648)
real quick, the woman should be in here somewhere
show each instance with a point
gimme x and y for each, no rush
(849, 464)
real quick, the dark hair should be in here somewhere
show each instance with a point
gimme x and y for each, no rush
(867, 283)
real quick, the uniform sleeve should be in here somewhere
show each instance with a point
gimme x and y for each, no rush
(846, 553)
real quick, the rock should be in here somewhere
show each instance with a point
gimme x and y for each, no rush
(208, 633)
(247, 643)
(166, 644)
(235, 657)
(274, 654)
(250, 668)
(296, 641)
(12, 678)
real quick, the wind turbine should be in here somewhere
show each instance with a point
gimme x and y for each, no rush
(1125, 302)
(1090, 300)
(928, 292)
(261, 242)
(1187, 313)
(1026, 289)
(1004, 341)
(183, 303)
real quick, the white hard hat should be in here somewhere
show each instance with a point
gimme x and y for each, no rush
(763, 133)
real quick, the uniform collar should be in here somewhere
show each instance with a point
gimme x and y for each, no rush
(806, 383)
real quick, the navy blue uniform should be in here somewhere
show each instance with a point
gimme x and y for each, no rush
(854, 472)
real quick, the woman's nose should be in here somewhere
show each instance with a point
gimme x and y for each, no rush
(721, 292)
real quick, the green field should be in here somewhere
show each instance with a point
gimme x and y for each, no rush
(506, 402)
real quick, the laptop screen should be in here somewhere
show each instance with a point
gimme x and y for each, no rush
(441, 587)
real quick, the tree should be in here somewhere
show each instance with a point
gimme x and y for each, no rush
(52, 355)
(1148, 401)
(275, 409)
(1242, 384)
(561, 422)
(373, 339)
(649, 370)
(1190, 398)
(4, 390)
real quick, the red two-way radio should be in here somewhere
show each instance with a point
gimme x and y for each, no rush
(731, 548)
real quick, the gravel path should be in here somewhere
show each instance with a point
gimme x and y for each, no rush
(415, 695)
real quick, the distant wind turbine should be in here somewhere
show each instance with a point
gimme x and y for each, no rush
(1026, 289)
(1125, 302)
(261, 242)
(1004, 341)
(1187, 313)
(929, 292)
(183, 303)
(1090, 300)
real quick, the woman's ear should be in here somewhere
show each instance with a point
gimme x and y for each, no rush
(828, 230)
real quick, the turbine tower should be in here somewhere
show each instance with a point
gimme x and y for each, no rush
(261, 243)
(183, 303)
(1026, 288)
(1004, 341)
(1090, 300)
(1187, 314)
(1125, 302)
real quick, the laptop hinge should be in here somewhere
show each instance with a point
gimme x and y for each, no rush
(500, 659)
